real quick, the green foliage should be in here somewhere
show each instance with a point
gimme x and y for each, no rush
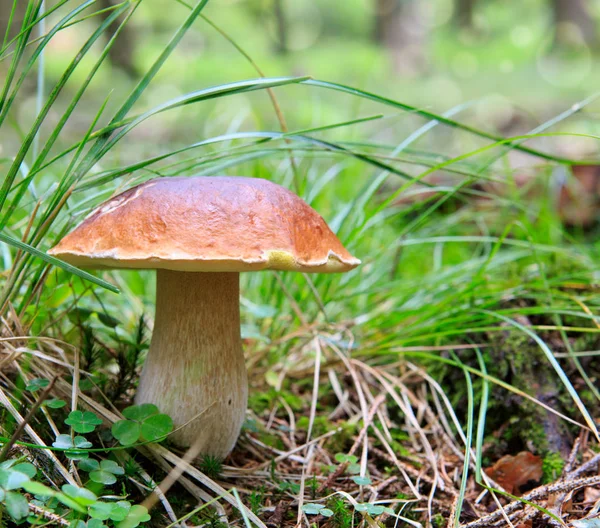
(343, 515)
(105, 472)
(15, 476)
(211, 466)
(314, 508)
(83, 421)
(64, 441)
(143, 422)
(55, 403)
(256, 501)
(438, 521)
(36, 384)
(552, 467)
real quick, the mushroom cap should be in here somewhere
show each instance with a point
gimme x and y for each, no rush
(206, 224)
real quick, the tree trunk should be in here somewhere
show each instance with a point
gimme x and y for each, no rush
(574, 13)
(464, 11)
(281, 23)
(121, 53)
(400, 28)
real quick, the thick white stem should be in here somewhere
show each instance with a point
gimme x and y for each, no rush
(195, 365)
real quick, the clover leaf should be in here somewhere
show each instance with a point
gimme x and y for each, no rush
(55, 403)
(37, 384)
(38, 489)
(106, 473)
(344, 458)
(312, 508)
(64, 441)
(139, 413)
(83, 422)
(143, 421)
(362, 481)
(95, 523)
(13, 476)
(16, 505)
(115, 511)
(136, 515)
(89, 464)
(82, 496)
(373, 509)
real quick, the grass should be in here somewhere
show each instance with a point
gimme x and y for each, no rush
(468, 333)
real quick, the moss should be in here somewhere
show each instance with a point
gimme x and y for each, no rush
(336, 443)
(343, 515)
(438, 521)
(552, 467)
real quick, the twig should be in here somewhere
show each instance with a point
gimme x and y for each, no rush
(585, 467)
(538, 493)
(56, 519)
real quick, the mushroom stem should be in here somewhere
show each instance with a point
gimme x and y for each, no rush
(195, 370)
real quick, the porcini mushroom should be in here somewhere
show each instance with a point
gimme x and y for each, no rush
(200, 233)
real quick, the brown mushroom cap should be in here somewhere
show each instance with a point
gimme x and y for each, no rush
(206, 224)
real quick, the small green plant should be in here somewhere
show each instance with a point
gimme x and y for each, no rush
(103, 472)
(83, 422)
(211, 466)
(343, 516)
(78, 444)
(143, 422)
(15, 476)
(353, 466)
(552, 467)
(36, 384)
(314, 508)
(75, 503)
(256, 500)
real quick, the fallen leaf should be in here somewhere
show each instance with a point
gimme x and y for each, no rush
(512, 472)
(591, 495)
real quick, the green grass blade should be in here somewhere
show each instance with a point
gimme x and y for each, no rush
(56, 262)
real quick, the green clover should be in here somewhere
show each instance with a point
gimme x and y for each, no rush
(14, 476)
(37, 384)
(362, 481)
(136, 515)
(83, 422)
(143, 421)
(106, 472)
(82, 496)
(64, 441)
(115, 511)
(55, 403)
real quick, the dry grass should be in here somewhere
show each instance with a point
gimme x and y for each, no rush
(273, 473)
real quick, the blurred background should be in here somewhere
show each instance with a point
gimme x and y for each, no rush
(516, 61)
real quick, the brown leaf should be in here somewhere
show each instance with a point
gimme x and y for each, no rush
(591, 495)
(512, 472)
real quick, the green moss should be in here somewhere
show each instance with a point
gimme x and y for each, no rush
(552, 467)
(438, 521)
(336, 443)
(342, 516)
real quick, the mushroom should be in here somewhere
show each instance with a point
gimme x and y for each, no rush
(199, 233)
